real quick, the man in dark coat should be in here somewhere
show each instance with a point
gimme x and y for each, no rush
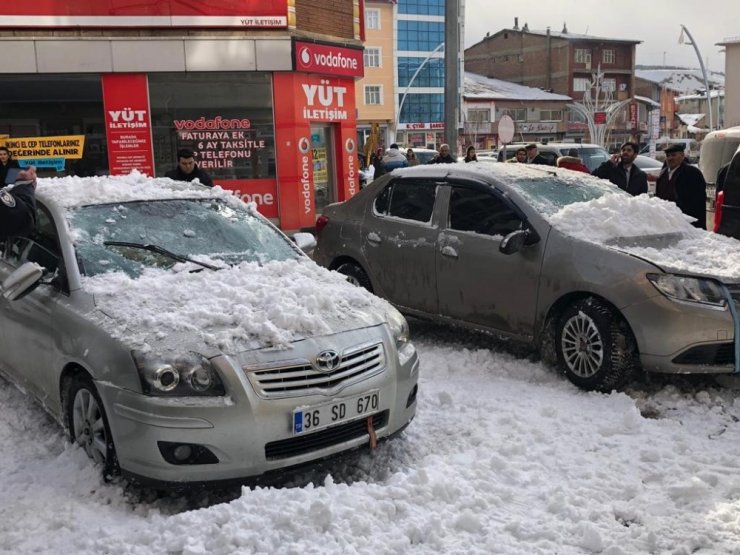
(534, 156)
(621, 170)
(6, 163)
(683, 184)
(18, 205)
(187, 169)
(443, 156)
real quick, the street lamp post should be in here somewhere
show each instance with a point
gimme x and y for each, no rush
(692, 42)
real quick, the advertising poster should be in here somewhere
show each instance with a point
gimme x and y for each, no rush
(45, 152)
(128, 123)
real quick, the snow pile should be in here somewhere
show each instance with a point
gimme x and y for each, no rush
(233, 309)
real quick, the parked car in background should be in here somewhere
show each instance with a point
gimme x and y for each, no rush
(717, 149)
(424, 155)
(652, 168)
(503, 248)
(590, 154)
(691, 149)
(180, 337)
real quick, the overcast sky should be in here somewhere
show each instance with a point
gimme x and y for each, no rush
(657, 23)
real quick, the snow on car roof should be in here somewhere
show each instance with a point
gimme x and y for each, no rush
(79, 191)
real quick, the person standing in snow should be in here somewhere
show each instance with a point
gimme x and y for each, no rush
(683, 184)
(6, 162)
(187, 169)
(621, 170)
(18, 205)
(394, 159)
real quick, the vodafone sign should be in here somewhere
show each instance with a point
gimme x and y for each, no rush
(330, 60)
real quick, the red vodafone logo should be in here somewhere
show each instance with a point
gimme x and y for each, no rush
(331, 60)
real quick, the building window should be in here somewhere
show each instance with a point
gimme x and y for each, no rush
(607, 56)
(421, 7)
(372, 57)
(583, 56)
(581, 84)
(479, 115)
(609, 85)
(432, 73)
(422, 108)
(373, 95)
(551, 115)
(372, 19)
(517, 114)
(420, 36)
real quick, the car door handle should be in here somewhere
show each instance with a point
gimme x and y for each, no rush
(374, 238)
(449, 252)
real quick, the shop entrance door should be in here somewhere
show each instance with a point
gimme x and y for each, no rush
(324, 175)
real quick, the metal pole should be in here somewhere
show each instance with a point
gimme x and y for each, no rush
(439, 47)
(692, 42)
(452, 73)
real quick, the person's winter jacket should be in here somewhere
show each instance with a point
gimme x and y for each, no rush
(687, 188)
(439, 159)
(18, 205)
(572, 163)
(394, 159)
(178, 175)
(637, 184)
(4, 170)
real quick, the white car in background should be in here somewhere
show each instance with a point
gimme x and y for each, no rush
(652, 168)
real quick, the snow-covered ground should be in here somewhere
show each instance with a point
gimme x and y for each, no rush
(504, 456)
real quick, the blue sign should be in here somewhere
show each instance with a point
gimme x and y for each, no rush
(53, 163)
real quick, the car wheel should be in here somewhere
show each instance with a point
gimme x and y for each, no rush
(355, 275)
(88, 424)
(595, 347)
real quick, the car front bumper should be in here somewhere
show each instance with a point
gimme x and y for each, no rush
(248, 434)
(683, 338)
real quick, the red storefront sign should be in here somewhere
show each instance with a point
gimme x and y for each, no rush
(600, 117)
(262, 192)
(300, 100)
(328, 59)
(128, 123)
(144, 13)
(633, 116)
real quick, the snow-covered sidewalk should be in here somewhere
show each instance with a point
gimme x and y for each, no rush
(503, 457)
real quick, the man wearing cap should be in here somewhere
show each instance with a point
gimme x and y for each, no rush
(18, 205)
(187, 169)
(621, 170)
(534, 156)
(683, 184)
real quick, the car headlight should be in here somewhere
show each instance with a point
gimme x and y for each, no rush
(399, 326)
(689, 289)
(186, 376)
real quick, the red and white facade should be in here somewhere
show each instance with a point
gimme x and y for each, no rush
(279, 149)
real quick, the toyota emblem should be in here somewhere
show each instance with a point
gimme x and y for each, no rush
(327, 361)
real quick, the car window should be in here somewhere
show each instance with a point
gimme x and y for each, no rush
(549, 194)
(481, 211)
(410, 200)
(202, 229)
(40, 246)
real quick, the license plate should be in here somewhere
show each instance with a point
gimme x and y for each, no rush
(310, 419)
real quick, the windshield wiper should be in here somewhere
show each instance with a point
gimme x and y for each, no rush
(158, 250)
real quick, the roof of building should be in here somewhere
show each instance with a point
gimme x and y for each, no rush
(567, 35)
(646, 100)
(714, 93)
(729, 40)
(479, 87)
(680, 79)
(691, 119)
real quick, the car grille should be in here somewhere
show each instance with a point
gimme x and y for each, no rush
(718, 354)
(325, 438)
(296, 380)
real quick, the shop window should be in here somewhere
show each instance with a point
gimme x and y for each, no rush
(226, 118)
(57, 105)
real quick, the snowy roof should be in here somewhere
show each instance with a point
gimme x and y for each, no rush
(690, 119)
(701, 96)
(681, 80)
(574, 36)
(480, 87)
(646, 100)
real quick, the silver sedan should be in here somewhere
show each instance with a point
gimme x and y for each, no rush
(180, 337)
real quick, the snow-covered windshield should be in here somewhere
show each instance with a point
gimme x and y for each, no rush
(550, 193)
(206, 229)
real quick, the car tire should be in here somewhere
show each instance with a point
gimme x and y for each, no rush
(88, 424)
(595, 347)
(355, 275)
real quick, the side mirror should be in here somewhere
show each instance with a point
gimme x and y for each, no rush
(514, 241)
(22, 281)
(305, 241)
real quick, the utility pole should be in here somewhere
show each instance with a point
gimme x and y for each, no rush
(452, 73)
